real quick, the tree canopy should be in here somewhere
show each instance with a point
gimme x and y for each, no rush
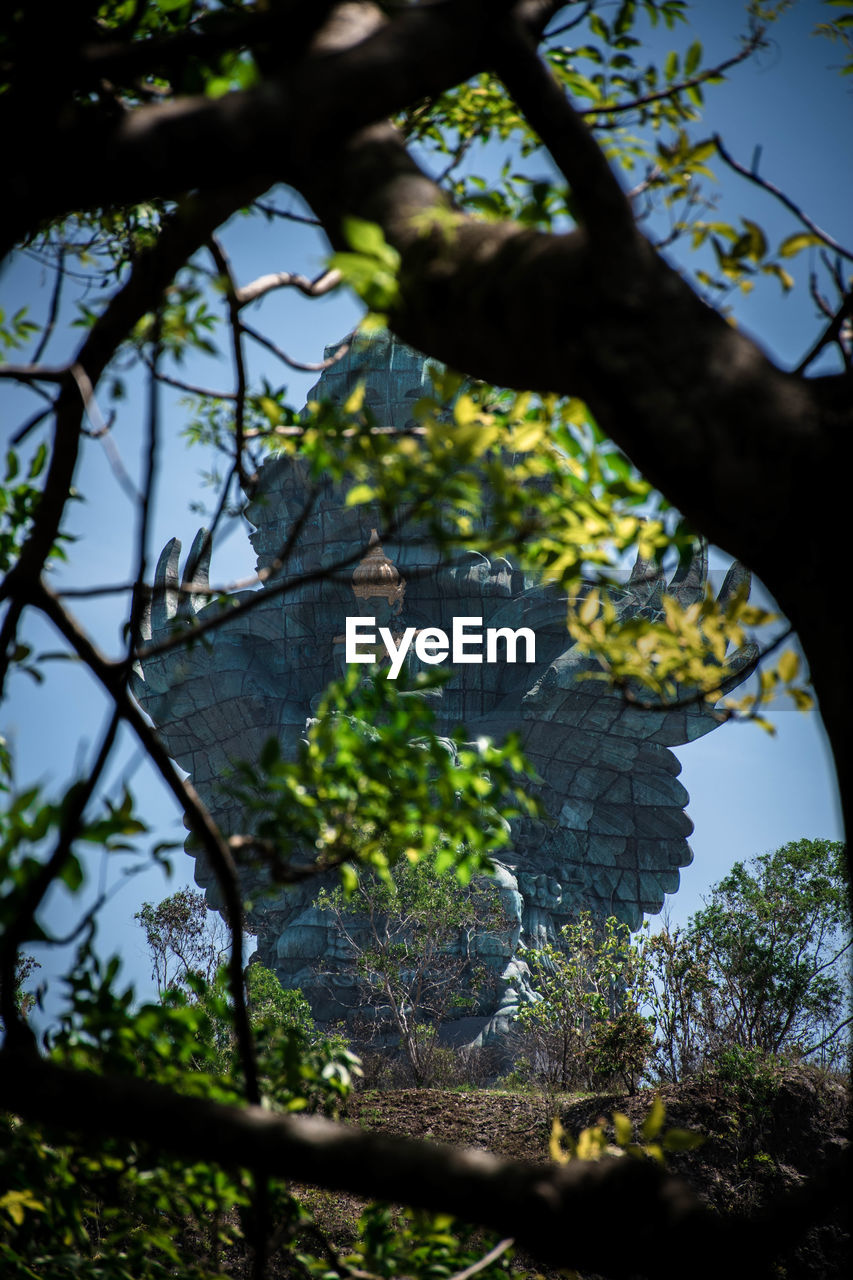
(135, 131)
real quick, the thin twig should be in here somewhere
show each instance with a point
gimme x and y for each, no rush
(113, 677)
(286, 214)
(31, 423)
(486, 1260)
(258, 598)
(832, 333)
(789, 204)
(35, 372)
(16, 930)
(703, 695)
(754, 42)
(191, 388)
(813, 1048)
(53, 310)
(9, 637)
(817, 297)
(288, 360)
(223, 266)
(146, 495)
(603, 206)
(459, 155)
(316, 288)
(568, 26)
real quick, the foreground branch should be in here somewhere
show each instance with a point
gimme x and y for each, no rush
(619, 1218)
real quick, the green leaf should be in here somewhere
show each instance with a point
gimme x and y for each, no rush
(359, 494)
(756, 240)
(797, 242)
(692, 58)
(788, 665)
(71, 874)
(623, 1128)
(681, 1140)
(368, 238)
(38, 460)
(653, 1122)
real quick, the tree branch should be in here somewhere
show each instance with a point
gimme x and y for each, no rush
(753, 42)
(563, 1214)
(224, 268)
(316, 288)
(603, 206)
(189, 227)
(113, 678)
(789, 204)
(351, 76)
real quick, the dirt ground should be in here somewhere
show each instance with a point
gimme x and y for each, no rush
(753, 1149)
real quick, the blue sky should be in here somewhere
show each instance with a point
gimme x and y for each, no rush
(748, 792)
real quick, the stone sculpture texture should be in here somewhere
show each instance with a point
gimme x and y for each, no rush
(617, 832)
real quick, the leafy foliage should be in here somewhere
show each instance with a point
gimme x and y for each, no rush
(652, 1142)
(587, 1026)
(180, 941)
(372, 778)
(762, 969)
(775, 936)
(112, 1211)
(374, 783)
(413, 938)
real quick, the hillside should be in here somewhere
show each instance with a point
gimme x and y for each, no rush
(763, 1135)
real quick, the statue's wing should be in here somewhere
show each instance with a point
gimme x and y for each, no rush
(615, 835)
(215, 693)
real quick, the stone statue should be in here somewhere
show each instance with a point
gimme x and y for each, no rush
(617, 832)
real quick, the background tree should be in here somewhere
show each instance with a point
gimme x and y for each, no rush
(680, 997)
(270, 1002)
(776, 941)
(587, 1027)
(415, 939)
(184, 940)
(134, 133)
(764, 966)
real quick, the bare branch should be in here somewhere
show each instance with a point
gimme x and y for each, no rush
(318, 367)
(18, 929)
(486, 1260)
(789, 204)
(190, 226)
(574, 22)
(53, 310)
(604, 208)
(832, 333)
(31, 423)
(271, 211)
(224, 268)
(316, 288)
(826, 1040)
(191, 388)
(113, 677)
(35, 372)
(290, 25)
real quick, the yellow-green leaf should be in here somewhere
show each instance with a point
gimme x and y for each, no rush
(623, 1128)
(355, 399)
(589, 609)
(653, 1122)
(788, 665)
(360, 493)
(797, 242)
